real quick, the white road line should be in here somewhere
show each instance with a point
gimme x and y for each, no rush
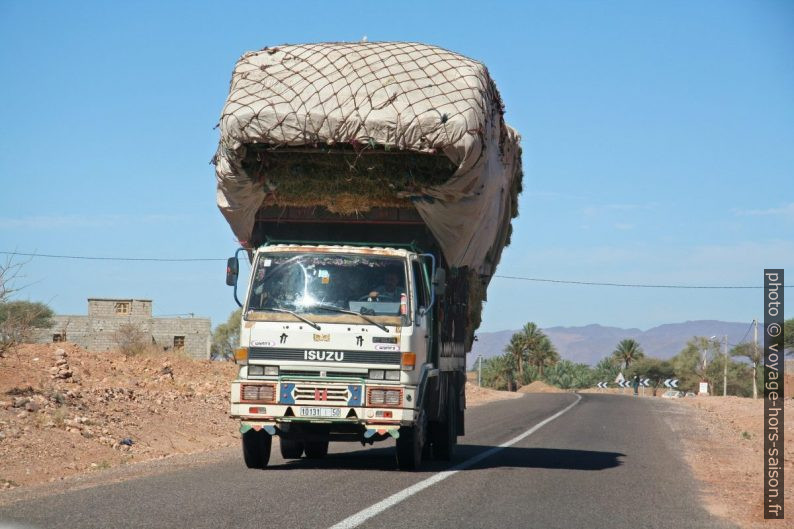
(364, 515)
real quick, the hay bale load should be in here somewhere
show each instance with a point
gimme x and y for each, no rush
(385, 143)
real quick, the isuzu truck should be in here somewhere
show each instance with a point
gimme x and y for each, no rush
(371, 187)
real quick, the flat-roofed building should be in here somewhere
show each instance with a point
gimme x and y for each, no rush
(99, 330)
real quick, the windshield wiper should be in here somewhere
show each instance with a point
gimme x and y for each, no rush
(305, 320)
(345, 311)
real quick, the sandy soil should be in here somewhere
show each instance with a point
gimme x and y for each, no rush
(475, 395)
(723, 443)
(540, 387)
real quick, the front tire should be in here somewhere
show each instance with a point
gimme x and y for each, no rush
(256, 448)
(291, 449)
(409, 448)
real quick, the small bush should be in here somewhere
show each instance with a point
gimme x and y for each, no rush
(131, 340)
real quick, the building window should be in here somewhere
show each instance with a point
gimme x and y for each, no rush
(59, 337)
(179, 342)
(123, 307)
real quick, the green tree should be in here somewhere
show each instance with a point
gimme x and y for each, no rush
(19, 321)
(656, 370)
(499, 372)
(517, 350)
(606, 370)
(530, 338)
(740, 376)
(753, 353)
(543, 355)
(627, 351)
(569, 375)
(226, 336)
(691, 364)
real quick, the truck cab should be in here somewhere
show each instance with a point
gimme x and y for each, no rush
(340, 342)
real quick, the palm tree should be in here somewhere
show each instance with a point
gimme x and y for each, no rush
(752, 352)
(627, 351)
(516, 350)
(543, 354)
(498, 372)
(531, 337)
(522, 342)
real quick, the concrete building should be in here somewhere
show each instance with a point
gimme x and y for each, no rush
(98, 331)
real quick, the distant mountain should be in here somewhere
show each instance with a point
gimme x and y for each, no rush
(590, 343)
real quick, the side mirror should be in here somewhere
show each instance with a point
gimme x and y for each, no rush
(232, 270)
(440, 282)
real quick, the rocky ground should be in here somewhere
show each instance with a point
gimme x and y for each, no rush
(65, 411)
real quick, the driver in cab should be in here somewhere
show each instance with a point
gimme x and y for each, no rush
(390, 290)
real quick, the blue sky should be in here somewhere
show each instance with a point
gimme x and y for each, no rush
(658, 145)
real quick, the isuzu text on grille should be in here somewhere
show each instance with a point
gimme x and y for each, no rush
(330, 356)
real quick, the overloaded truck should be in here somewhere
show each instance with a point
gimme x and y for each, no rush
(371, 187)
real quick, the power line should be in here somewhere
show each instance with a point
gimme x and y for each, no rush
(746, 333)
(535, 279)
(94, 258)
(631, 285)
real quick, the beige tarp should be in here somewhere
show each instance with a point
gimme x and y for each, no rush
(399, 95)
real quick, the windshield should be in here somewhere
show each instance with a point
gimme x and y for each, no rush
(319, 283)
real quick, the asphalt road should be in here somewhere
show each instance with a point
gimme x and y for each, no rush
(608, 461)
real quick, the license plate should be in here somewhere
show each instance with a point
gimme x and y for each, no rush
(321, 412)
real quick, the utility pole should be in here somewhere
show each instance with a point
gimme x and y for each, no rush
(725, 370)
(755, 353)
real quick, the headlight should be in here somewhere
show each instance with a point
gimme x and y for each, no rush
(393, 397)
(376, 374)
(271, 370)
(376, 396)
(256, 371)
(384, 397)
(265, 393)
(392, 375)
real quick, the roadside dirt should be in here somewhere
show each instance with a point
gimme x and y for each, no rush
(476, 395)
(70, 412)
(723, 444)
(540, 387)
(65, 412)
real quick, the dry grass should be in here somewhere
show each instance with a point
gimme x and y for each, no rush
(344, 180)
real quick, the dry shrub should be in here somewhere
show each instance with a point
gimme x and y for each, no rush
(131, 340)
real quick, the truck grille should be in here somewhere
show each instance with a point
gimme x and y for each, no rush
(320, 393)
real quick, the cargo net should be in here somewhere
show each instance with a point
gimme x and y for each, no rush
(402, 95)
(351, 127)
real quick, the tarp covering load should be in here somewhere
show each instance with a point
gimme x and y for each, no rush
(353, 126)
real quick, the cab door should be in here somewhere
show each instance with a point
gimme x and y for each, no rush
(422, 315)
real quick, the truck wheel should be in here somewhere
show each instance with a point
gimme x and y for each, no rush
(256, 448)
(409, 449)
(445, 435)
(316, 449)
(291, 449)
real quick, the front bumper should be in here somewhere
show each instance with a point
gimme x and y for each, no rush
(323, 402)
